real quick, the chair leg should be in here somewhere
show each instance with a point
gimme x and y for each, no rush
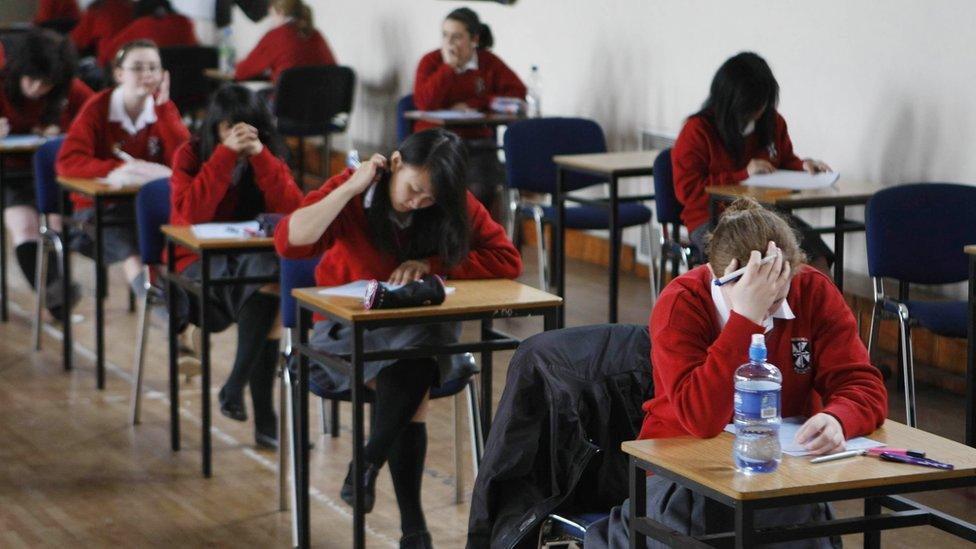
(334, 420)
(323, 416)
(875, 329)
(283, 440)
(140, 358)
(651, 262)
(40, 279)
(665, 253)
(458, 466)
(908, 366)
(474, 420)
(540, 238)
(291, 453)
(513, 207)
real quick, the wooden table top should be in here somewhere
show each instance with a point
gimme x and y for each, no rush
(217, 74)
(470, 296)
(970, 249)
(95, 187)
(183, 235)
(610, 163)
(709, 462)
(486, 119)
(843, 192)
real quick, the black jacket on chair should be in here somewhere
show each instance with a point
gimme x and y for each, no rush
(571, 397)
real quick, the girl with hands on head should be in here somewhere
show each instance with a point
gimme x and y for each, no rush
(700, 334)
(397, 218)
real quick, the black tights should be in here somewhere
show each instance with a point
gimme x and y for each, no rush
(254, 362)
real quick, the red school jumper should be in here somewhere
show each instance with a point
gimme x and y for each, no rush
(25, 116)
(699, 159)
(438, 86)
(348, 252)
(101, 21)
(88, 149)
(202, 193)
(825, 365)
(166, 31)
(282, 48)
(54, 10)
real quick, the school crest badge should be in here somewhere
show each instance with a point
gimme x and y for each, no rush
(479, 86)
(155, 149)
(771, 149)
(801, 355)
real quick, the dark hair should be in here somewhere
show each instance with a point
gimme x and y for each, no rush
(470, 20)
(42, 55)
(234, 103)
(443, 229)
(741, 86)
(155, 8)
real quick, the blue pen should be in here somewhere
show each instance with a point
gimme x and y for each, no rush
(737, 274)
(924, 462)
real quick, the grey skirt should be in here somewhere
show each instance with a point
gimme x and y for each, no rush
(335, 338)
(686, 512)
(225, 301)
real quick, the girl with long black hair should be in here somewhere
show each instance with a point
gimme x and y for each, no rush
(232, 170)
(397, 219)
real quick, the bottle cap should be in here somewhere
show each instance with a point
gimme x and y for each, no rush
(757, 350)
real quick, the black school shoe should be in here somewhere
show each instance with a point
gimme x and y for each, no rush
(417, 540)
(266, 440)
(369, 487)
(233, 410)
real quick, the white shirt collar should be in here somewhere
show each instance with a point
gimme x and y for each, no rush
(116, 113)
(724, 312)
(368, 201)
(471, 65)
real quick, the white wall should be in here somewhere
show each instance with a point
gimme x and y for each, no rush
(881, 90)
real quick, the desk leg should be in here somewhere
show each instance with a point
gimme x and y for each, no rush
(100, 283)
(713, 212)
(971, 358)
(615, 237)
(872, 538)
(558, 271)
(550, 319)
(358, 466)
(67, 345)
(638, 505)
(174, 374)
(301, 435)
(839, 247)
(205, 362)
(486, 379)
(745, 530)
(3, 241)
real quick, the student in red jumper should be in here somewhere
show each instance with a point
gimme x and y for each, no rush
(700, 334)
(154, 20)
(51, 11)
(123, 128)
(738, 133)
(293, 42)
(40, 95)
(397, 219)
(232, 170)
(100, 21)
(464, 75)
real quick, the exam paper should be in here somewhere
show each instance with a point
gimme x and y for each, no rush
(790, 179)
(357, 289)
(22, 140)
(787, 434)
(226, 230)
(455, 115)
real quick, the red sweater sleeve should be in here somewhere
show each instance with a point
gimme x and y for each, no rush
(697, 377)
(198, 189)
(788, 159)
(851, 388)
(690, 164)
(492, 254)
(83, 34)
(77, 155)
(258, 61)
(273, 177)
(432, 82)
(504, 82)
(172, 131)
(317, 248)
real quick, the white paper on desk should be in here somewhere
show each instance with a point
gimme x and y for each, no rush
(240, 229)
(357, 289)
(27, 140)
(137, 173)
(791, 179)
(448, 114)
(787, 435)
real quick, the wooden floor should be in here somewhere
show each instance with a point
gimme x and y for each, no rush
(74, 472)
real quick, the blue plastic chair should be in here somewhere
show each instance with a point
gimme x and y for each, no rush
(669, 210)
(529, 148)
(404, 127)
(47, 193)
(152, 212)
(915, 235)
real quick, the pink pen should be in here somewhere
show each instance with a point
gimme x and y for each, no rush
(876, 452)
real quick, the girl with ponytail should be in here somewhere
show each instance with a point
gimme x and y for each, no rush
(293, 42)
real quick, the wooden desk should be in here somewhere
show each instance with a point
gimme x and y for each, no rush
(839, 197)
(971, 352)
(613, 166)
(482, 300)
(7, 147)
(486, 119)
(705, 466)
(206, 249)
(219, 75)
(99, 192)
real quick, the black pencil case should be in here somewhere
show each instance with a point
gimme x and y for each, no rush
(429, 290)
(267, 222)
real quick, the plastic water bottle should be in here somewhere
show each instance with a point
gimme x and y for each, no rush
(225, 51)
(757, 412)
(533, 96)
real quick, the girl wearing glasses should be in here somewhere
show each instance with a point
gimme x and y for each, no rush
(125, 127)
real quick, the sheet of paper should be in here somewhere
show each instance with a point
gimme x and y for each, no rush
(790, 179)
(455, 115)
(243, 229)
(22, 140)
(357, 289)
(787, 433)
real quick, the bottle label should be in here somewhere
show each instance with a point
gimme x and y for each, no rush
(757, 400)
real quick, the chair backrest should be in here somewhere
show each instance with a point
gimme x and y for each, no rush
(189, 88)
(916, 233)
(404, 127)
(665, 202)
(152, 212)
(45, 178)
(295, 273)
(531, 144)
(309, 100)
